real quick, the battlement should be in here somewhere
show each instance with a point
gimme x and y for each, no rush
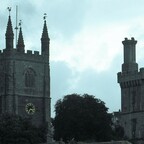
(36, 53)
(30, 52)
(129, 41)
(14, 51)
(131, 78)
(30, 55)
(124, 76)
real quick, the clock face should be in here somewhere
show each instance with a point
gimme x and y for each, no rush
(30, 108)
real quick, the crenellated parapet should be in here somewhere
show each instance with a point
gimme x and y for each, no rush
(131, 79)
(28, 55)
(30, 52)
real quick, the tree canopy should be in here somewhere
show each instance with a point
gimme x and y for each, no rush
(82, 117)
(17, 130)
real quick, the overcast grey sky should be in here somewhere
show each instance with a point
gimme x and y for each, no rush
(85, 48)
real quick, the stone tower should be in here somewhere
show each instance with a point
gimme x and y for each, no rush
(131, 81)
(25, 78)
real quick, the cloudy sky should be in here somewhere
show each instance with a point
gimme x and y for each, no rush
(86, 50)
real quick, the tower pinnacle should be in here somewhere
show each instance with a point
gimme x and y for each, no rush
(20, 44)
(129, 55)
(45, 38)
(9, 33)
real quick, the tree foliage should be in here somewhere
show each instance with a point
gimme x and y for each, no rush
(17, 130)
(82, 117)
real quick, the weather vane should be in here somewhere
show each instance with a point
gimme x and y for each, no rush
(20, 23)
(9, 9)
(45, 15)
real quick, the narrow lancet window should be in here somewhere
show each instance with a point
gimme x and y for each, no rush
(30, 78)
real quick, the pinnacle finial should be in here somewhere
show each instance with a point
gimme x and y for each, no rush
(45, 15)
(20, 43)
(45, 38)
(20, 23)
(9, 9)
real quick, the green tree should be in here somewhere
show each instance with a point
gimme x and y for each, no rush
(17, 130)
(83, 117)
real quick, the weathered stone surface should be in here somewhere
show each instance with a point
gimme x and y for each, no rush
(25, 78)
(131, 81)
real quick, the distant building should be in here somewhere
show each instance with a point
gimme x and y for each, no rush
(25, 78)
(131, 81)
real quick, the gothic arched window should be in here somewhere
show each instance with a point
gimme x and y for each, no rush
(29, 78)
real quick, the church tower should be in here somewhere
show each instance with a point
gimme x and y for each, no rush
(131, 81)
(25, 78)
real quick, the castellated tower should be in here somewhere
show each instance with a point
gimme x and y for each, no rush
(25, 78)
(131, 81)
